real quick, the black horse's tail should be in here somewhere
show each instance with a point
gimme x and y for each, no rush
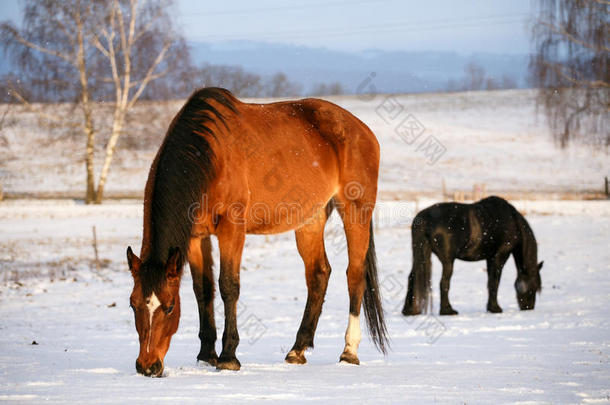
(373, 310)
(418, 292)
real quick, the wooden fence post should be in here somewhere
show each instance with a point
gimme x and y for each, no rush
(97, 257)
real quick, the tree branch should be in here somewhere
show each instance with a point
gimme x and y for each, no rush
(562, 31)
(12, 31)
(149, 75)
(31, 108)
(592, 84)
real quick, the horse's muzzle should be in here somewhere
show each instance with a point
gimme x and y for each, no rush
(155, 370)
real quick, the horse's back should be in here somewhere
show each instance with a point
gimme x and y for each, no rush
(294, 156)
(471, 232)
(501, 224)
(340, 128)
(446, 226)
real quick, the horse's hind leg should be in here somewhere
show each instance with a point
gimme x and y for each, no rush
(410, 306)
(356, 220)
(310, 243)
(201, 264)
(446, 308)
(494, 271)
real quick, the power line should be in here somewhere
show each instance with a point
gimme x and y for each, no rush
(415, 26)
(285, 8)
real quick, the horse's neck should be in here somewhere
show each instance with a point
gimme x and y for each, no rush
(529, 248)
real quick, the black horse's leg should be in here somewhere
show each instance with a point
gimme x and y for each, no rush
(446, 308)
(407, 308)
(494, 271)
(201, 264)
(231, 236)
(310, 243)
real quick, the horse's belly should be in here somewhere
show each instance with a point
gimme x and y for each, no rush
(297, 208)
(289, 200)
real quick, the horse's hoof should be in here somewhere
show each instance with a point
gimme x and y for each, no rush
(448, 311)
(293, 357)
(347, 357)
(210, 358)
(228, 364)
(495, 309)
(410, 312)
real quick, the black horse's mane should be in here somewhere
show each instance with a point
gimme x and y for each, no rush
(184, 169)
(529, 247)
(527, 251)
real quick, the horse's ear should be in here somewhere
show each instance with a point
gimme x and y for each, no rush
(540, 265)
(133, 261)
(173, 267)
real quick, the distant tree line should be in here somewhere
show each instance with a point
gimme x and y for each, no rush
(55, 84)
(16, 88)
(475, 78)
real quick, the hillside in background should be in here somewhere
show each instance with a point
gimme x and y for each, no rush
(396, 71)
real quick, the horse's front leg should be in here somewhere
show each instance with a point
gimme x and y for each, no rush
(446, 308)
(202, 264)
(494, 271)
(231, 237)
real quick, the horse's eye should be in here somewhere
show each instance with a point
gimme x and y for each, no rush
(170, 309)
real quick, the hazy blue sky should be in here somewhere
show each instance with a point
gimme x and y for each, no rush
(460, 25)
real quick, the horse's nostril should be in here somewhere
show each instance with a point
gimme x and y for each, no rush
(156, 368)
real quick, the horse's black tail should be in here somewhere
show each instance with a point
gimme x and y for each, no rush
(418, 292)
(373, 310)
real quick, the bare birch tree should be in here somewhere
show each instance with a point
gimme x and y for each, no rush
(103, 50)
(52, 50)
(135, 40)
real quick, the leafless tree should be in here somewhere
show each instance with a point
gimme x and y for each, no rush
(491, 83)
(234, 78)
(474, 77)
(135, 40)
(279, 86)
(83, 51)
(330, 89)
(508, 82)
(52, 50)
(570, 67)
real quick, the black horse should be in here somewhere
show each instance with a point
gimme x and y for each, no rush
(490, 229)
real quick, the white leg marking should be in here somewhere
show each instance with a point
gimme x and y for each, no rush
(152, 303)
(352, 334)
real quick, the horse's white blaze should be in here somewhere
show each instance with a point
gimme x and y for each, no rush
(152, 303)
(352, 334)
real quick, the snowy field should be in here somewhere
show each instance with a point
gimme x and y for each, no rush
(426, 139)
(86, 347)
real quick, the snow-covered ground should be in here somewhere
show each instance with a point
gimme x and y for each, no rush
(87, 344)
(496, 138)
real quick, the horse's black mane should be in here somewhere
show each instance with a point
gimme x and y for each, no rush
(184, 168)
(529, 246)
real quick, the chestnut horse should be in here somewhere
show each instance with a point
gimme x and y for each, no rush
(228, 168)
